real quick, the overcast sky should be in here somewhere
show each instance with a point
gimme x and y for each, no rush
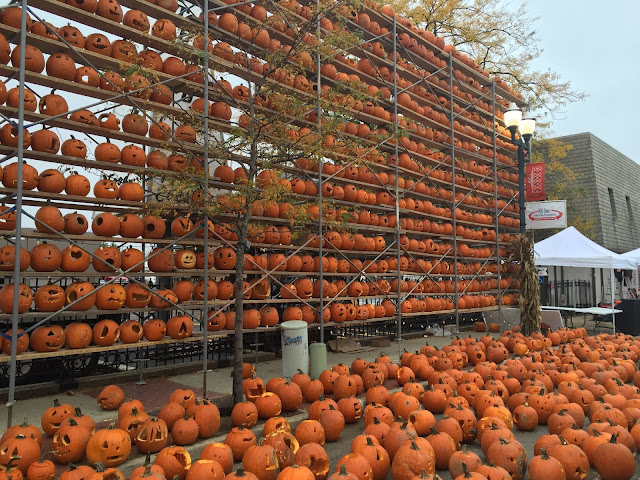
(594, 45)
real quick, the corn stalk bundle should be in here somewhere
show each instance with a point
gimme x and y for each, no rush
(521, 250)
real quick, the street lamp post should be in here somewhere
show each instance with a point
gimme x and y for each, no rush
(515, 122)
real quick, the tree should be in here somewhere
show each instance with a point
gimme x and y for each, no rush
(502, 39)
(561, 183)
(273, 132)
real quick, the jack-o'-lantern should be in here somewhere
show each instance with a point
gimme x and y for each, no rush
(106, 332)
(183, 290)
(198, 290)
(110, 297)
(47, 338)
(74, 259)
(45, 141)
(185, 259)
(161, 260)
(180, 327)
(131, 226)
(132, 260)
(51, 181)
(181, 226)
(154, 329)
(107, 152)
(163, 298)
(154, 227)
(106, 259)
(105, 188)
(106, 225)
(137, 19)
(130, 331)
(225, 258)
(109, 447)
(45, 257)
(137, 296)
(25, 298)
(22, 343)
(98, 43)
(75, 294)
(8, 258)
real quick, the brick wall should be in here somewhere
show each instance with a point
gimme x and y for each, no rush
(605, 175)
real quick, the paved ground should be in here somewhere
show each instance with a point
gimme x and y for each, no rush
(156, 392)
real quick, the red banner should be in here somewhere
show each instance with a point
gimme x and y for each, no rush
(534, 182)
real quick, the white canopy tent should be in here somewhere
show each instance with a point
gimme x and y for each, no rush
(569, 248)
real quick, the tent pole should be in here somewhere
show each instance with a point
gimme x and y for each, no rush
(613, 303)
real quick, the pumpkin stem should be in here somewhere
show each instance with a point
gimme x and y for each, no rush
(369, 442)
(562, 440)
(72, 422)
(240, 472)
(465, 469)
(343, 470)
(112, 426)
(56, 403)
(98, 467)
(434, 430)
(505, 442)
(614, 438)
(544, 454)
(24, 422)
(78, 412)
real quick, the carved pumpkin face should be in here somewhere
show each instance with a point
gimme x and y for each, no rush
(45, 257)
(74, 259)
(180, 327)
(25, 298)
(163, 298)
(49, 298)
(137, 296)
(78, 290)
(8, 258)
(47, 338)
(110, 259)
(154, 329)
(98, 43)
(110, 297)
(110, 447)
(185, 259)
(152, 436)
(106, 332)
(225, 258)
(138, 20)
(304, 287)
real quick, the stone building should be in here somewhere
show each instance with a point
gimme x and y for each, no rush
(611, 185)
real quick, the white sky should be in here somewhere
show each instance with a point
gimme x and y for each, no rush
(594, 45)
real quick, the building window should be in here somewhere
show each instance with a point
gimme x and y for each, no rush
(613, 203)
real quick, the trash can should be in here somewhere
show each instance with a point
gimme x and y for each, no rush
(318, 352)
(295, 348)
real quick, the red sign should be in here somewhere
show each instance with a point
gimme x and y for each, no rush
(534, 182)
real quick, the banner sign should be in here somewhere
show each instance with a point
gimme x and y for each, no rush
(550, 214)
(534, 182)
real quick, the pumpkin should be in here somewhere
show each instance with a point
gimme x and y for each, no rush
(207, 417)
(244, 414)
(184, 431)
(21, 451)
(47, 338)
(54, 416)
(614, 461)
(261, 461)
(69, 443)
(239, 440)
(25, 298)
(8, 256)
(175, 461)
(106, 332)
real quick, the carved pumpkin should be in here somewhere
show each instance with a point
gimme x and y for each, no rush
(154, 330)
(106, 259)
(25, 298)
(45, 257)
(180, 327)
(106, 332)
(8, 258)
(110, 297)
(49, 298)
(76, 293)
(110, 447)
(74, 259)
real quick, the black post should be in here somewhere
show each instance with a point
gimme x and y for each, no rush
(521, 158)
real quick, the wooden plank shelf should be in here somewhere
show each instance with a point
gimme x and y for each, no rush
(65, 352)
(214, 273)
(198, 307)
(221, 334)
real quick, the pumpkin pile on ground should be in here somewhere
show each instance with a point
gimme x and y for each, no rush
(582, 390)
